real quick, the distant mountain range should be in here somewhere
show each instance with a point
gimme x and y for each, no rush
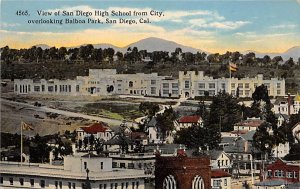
(156, 44)
(293, 52)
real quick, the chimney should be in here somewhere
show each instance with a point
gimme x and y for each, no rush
(289, 104)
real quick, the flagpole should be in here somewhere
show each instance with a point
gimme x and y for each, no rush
(229, 78)
(21, 143)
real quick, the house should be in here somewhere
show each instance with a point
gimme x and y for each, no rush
(155, 135)
(282, 118)
(100, 130)
(251, 124)
(119, 143)
(280, 170)
(220, 179)
(188, 121)
(219, 160)
(296, 132)
(287, 105)
(75, 173)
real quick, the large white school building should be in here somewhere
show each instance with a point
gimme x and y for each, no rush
(104, 82)
(71, 175)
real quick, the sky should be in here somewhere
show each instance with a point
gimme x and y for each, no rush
(210, 25)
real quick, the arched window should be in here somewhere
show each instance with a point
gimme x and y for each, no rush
(169, 182)
(198, 183)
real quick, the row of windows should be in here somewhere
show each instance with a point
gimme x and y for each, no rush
(59, 184)
(21, 182)
(62, 88)
(281, 174)
(135, 185)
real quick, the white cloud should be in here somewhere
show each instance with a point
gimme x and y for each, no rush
(6, 25)
(226, 25)
(284, 26)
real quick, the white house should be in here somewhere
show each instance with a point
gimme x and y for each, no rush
(188, 121)
(220, 179)
(251, 124)
(287, 105)
(99, 130)
(219, 160)
(72, 175)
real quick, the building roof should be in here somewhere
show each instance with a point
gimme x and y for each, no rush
(218, 173)
(95, 128)
(189, 119)
(271, 183)
(281, 165)
(41, 170)
(250, 123)
(285, 116)
(248, 136)
(214, 154)
(152, 122)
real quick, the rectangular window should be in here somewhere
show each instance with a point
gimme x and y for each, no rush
(36, 88)
(211, 92)
(101, 165)
(186, 84)
(137, 184)
(165, 91)
(111, 186)
(104, 186)
(43, 88)
(42, 183)
(241, 92)
(122, 185)
(126, 185)
(212, 85)
(21, 181)
(225, 182)
(116, 185)
(50, 88)
(130, 166)
(174, 85)
(175, 92)
(278, 92)
(56, 184)
(153, 90)
(246, 85)
(70, 185)
(60, 184)
(278, 85)
(77, 88)
(55, 88)
(85, 165)
(100, 186)
(153, 82)
(133, 185)
(16, 87)
(233, 85)
(1, 180)
(74, 185)
(70, 88)
(223, 85)
(28, 88)
(11, 181)
(165, 85)
(201, 85)
(247, 92)
(240, 85)
(32, 182)
(201, 92)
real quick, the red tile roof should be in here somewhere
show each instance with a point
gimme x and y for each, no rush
(250, 123)
(95, 128)
(189, 119)
(219, 173)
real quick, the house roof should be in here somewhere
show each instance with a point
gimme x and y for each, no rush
(271, 183)
(248, 136)
(285, 116)
(137, 135)
(214, 154)
(189, 119)
(118, 140)
(281, 165)
(95, 128)
(297, 98)
(218, 173)
(250, 123)
(152, 122)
